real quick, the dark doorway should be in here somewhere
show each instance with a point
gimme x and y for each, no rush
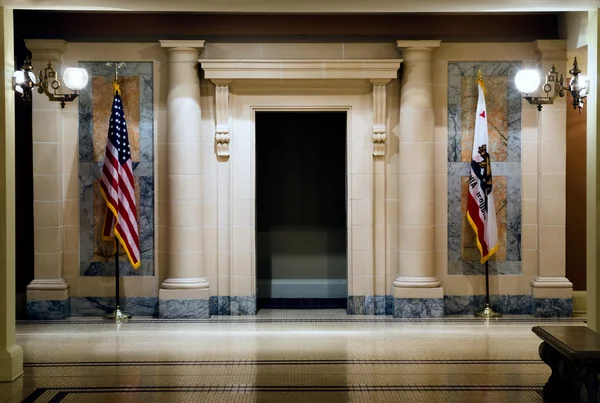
(301, 209)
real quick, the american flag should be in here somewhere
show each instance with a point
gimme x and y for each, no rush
(117, 185)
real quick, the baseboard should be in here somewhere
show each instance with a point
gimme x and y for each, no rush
(302, 303)
(297, 288)
(579, 303)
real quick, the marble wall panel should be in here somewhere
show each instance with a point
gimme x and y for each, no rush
(99, 306)
(503, 104)
(505, 304)
(136, 81)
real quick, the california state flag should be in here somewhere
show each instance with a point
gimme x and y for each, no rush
(481, 209)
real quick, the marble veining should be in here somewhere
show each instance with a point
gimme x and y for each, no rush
(91, 263)
(389, 304)
(48, 309)
(509, 167)
(418, 307)
(350, 306)
(552, 307)
(224, 305)
(368, 304)
(183, 308)
(242, 305)
(380, 305)
(98, 306)
(358, 304)
(469, 304)
(213, 305)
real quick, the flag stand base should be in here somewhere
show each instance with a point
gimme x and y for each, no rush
(118, 316)
(488, 312)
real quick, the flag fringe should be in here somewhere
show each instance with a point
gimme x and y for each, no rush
(491, 251)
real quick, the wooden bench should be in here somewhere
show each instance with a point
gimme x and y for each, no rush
(573, 354)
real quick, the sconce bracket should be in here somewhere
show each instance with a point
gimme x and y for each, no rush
(46, 81)
(540, 101)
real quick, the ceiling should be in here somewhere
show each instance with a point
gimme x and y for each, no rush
(310, 6)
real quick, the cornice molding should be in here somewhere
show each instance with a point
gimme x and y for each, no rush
(269, 69)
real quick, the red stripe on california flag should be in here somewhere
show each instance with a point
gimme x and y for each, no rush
(473, 210)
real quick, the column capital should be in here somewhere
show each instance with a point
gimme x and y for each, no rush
(380, 81)
(418, 45)
(551, 49)
(183, 51)
(46, 49)
(417, 50)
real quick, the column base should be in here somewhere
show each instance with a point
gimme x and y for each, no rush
(243, 305)
(48, 299)
(367, 305)
(551, 297)
(418, 302)
(188, 304)
(224, 305)
(11, 363)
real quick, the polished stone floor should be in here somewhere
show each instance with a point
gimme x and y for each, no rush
(282, 356)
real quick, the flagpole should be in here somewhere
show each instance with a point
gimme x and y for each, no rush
(117, 274)
(487, 312)
(118, 315)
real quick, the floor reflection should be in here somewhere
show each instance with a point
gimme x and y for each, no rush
(281, 356)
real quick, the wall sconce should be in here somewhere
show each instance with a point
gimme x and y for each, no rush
(24, 80)
(528, 81)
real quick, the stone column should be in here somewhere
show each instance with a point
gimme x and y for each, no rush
(48, 294)
(185, 293)
(417, 291)
(593, 166)
(11, 355)
(552, 292)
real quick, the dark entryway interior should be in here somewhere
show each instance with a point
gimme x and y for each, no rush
(301, 209)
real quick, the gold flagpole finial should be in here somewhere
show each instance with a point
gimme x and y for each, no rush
(480, 80)
(116, 67)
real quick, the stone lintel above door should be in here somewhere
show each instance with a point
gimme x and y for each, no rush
(305, 75)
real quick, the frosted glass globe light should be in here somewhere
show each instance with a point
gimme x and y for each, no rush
(19, 77)
(75, 78)
(580, 85)
(527, 81)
